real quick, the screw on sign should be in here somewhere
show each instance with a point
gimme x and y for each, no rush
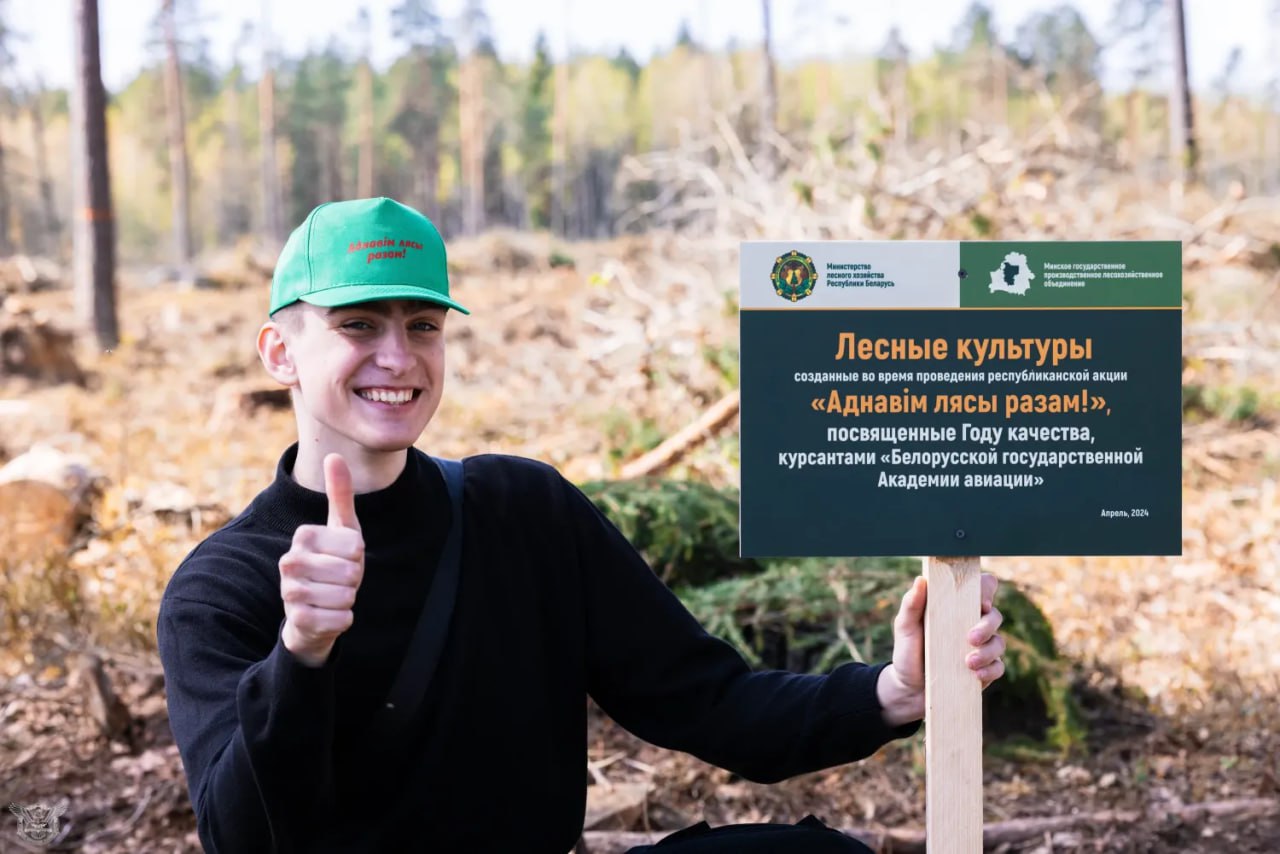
(38, 823)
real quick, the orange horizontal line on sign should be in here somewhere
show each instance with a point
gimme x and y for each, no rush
(970, 308)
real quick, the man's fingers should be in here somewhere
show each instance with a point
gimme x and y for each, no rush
(322, 570)
(989, 586)
(340, 597)
(986, 627)
(911, 613)
(325, 568)
(320, 622)
(987, 654)
(342, 499)
(991, 673)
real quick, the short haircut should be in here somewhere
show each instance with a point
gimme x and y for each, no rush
(289, 318)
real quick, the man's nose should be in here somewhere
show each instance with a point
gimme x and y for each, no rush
(393, 352)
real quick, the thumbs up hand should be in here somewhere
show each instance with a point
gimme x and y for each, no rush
(321, 572)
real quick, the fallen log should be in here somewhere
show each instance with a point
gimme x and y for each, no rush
(994, 834)
(235, 401)
(676, 446)
(46, 495)
(615, 805)
(101, 702)
(32, 346)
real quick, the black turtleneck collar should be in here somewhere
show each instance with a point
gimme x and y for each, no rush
(286, 504)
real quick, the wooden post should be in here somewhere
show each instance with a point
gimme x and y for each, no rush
(953, 708)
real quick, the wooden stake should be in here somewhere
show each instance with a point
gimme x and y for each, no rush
(953, 708)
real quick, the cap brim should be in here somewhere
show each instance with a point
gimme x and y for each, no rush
(353, 294)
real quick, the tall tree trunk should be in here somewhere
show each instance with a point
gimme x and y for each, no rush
(431, 177)
(560, 148)
(271, 214)
(1271, 149)
(271, 198)
(364, 183)
(6, 239)
(94, 236)
(822, 94)
(1271, 114)
(179, 173)
(479, 122)
(1000, 73)
(1181, 120)
(1131, 127)
(324, 175)
(901, 103)
(49, 239)
(233, 208)
(364, 116)
(427, 149)
(471, 143)
(466, 141)
(769, 101)
(232, 190)
(331, 162)
(707, 99)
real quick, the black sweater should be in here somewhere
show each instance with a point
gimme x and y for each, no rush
(553, 604)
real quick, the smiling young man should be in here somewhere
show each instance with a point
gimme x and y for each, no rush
(284, 633)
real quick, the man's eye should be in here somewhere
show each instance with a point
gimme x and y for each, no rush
(356, 325)
(425, 325)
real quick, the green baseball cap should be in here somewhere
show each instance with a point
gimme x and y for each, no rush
(359, 251)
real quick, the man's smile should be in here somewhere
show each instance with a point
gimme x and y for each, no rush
(393, 396)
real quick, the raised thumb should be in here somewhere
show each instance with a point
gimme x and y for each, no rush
(342, 499)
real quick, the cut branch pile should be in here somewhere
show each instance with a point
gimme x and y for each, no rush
(1053, 184)
(998, 836)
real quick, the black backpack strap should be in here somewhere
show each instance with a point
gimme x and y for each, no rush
(427, 641)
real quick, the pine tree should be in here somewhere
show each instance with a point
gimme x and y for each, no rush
(179, 168)
(1182, 125)
(417, 115)
(6, 180)
(769, 104)
(364, 99)
(95, 291)
(315, 117)
(534, 142)
(234, 218)
(49, 225)
(477, 43)
(272, 194)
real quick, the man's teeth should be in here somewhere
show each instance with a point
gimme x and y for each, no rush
(387, 395)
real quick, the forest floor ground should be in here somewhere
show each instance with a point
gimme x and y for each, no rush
(1176, 660)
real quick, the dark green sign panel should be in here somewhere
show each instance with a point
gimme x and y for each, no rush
(994, 416)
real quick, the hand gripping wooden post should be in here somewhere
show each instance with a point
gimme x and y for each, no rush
(953, 708)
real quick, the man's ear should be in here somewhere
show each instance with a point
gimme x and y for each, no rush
(273, 350)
